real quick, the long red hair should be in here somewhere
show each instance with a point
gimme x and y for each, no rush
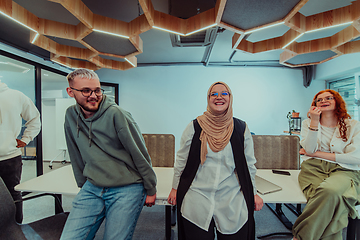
(340, 111)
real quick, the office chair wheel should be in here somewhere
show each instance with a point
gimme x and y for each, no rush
(50, 166)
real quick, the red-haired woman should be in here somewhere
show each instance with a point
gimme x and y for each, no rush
(330, 173)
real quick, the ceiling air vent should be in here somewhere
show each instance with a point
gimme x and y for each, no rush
(200, 39)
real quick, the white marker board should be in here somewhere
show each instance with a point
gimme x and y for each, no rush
(61, 104)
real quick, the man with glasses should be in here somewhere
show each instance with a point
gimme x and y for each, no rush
(110, 163)
(14, 107)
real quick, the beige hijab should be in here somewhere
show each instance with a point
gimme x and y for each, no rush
(216, 129)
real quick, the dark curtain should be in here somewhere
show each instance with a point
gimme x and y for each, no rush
(308, 75)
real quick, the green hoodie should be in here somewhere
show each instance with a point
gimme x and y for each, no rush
(108, 149)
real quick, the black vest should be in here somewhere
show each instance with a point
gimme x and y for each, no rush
(192, 165)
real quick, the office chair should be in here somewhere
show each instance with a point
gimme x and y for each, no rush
(47, 228)
(353, 228)
(161, 148)
(278, 152)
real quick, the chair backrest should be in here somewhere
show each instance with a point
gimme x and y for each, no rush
(9, 229)
(277, 151)
(161, 148)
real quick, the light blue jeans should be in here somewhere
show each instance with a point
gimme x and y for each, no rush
(121, 206)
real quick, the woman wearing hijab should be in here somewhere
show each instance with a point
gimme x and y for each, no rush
(330, 172)
(214, 174)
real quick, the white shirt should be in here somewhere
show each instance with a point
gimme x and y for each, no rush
(15, 106)
(215, 191)
(347, 154)
(327, 134)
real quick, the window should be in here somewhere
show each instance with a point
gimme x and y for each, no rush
(347, 89)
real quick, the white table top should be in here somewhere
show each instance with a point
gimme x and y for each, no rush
(58, 181)
(62, 181)
(290, 193)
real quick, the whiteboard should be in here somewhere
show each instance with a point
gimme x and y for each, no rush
(61, 104)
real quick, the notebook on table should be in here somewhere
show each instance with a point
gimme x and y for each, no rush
(264, 186)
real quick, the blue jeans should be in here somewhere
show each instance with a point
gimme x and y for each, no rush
(121, 206)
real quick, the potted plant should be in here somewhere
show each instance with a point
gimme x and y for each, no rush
(295, 114)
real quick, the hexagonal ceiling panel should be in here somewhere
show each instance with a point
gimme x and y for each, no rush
(106, 34)
(110, 44)
(314, 57)
(240, 13)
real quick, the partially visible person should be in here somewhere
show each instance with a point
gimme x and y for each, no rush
(110, 163)
(214, 174)
(330, 173)
(14, 107)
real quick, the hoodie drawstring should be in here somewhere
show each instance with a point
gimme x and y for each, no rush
(78, 129)
(77, 125)
(90, 135)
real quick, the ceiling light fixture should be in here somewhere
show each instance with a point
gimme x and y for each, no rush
(129, 62)
(36, 37)
(17, 21)
(166, 30)
(292, 41)
(262, 28)
(114, 34)
(319, 29)
(212, 25)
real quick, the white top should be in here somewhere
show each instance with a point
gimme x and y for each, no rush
(347, 154)
(15, 106)
(215, 192)
(327, 134)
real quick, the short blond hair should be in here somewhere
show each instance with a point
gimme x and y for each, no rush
(82, 73)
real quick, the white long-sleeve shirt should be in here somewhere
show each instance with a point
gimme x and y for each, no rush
(347, 154)
(215, 191)
(15, 106)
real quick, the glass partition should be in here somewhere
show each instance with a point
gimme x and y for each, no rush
(54, 101)
(21, 76)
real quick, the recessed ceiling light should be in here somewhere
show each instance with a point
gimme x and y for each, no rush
(113, 34)
(292, 41)
(262, 28)
(212, 25)
(36, 37)
(129, 62)
(17, 21)
(319, 29)
(166, 30)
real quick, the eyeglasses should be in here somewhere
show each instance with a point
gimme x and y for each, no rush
(86, 92)
(223, 94)
(324, 99)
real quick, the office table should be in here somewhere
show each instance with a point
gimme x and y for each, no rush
(62, 181)
(290, 194)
